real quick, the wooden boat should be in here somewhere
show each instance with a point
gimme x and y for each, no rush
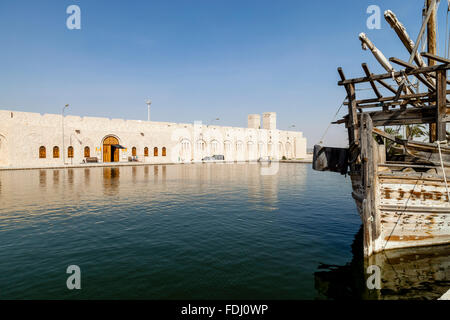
(403, 199)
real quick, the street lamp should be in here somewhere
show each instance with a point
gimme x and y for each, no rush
(63, 150)
(148, 102)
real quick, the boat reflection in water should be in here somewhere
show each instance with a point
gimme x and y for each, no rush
(421, 273)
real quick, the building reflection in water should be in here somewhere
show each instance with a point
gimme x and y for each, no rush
(111, 181)
(421, 273)
(42, 178)
(55, 177)
(94, 186)
(87, 176)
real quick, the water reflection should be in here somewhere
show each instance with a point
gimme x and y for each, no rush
(411, 273)
(55, 177)
(154, 182)
(111, 181)
(42, 178)
(172, 231)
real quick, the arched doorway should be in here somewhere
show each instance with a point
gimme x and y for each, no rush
(110, 149)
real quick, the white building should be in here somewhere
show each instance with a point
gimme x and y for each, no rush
(34, 140)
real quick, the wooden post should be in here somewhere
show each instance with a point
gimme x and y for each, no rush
(352, 124)
(441, 104)
(352, 116)
(431, 41)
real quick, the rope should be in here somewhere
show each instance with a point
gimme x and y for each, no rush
(443, 169)
(406, 206)
(329, 125)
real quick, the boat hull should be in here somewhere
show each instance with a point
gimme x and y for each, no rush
(401, 204)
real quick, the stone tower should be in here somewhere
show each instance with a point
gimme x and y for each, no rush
(254, 121)
(270, 120)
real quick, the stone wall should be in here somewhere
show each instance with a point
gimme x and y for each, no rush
(23, 133)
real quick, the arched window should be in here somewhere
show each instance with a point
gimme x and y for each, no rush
(133, 151)
(155, 151)
(214, 147)
(70, 152)
(227, 148)
(164, 151)
(87, 152)
(185, 152)
(42, 152)
(55, 152)
(145, 152)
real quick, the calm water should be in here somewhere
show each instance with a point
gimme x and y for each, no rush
(207, 231)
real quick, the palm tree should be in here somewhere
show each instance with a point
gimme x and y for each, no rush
(389, 143)
(415, 131)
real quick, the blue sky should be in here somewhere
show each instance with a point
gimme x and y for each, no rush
(196, 60)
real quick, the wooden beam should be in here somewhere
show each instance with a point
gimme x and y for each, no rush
(402, 63)
(387, 86)
(425, 82)
(441, 103)
(402, 103)
(435, 58)
(386, 135)
(404, 117)
(372, 84)
(352, 123)
(353, 119)
(396, 74)
(431, 42)
(399, 91)
(410, 66)
(403, 97)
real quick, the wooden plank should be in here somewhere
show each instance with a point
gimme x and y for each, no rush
(396, 74)
(441, 102)
(403, 117)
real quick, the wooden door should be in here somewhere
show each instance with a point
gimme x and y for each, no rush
(110, 154)
(106, 153)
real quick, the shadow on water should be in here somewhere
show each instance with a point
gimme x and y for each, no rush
(421, 273)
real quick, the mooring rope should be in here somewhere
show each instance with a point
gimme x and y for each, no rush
(410, 195)
(331, 122)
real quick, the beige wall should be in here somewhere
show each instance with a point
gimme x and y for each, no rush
(22, 133)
